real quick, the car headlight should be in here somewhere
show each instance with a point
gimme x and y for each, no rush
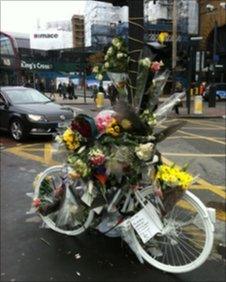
(35, 117)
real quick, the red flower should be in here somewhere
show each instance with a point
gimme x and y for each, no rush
(97, 160)
(102, 178)
(82, 127)
(36, 202)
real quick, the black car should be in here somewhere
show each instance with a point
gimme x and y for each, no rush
(25, 111)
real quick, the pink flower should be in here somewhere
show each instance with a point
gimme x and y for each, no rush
(155, 66)
(36, 202)
(102, 122)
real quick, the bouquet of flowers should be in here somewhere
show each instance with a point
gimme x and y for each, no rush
(117, 145)
(172, 182)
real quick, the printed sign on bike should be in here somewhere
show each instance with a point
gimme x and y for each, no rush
(144, 225)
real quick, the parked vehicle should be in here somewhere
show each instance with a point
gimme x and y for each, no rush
(25, 111)
(219, 90)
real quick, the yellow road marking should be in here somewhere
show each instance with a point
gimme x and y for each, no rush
(197, 136)
(198, 128)
(205, 123)
(191, 137)
(202, 137)
(21, 151)
(195, 155)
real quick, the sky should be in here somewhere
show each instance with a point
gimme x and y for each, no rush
(22, 16)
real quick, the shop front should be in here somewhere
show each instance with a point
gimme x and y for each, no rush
(9, 61)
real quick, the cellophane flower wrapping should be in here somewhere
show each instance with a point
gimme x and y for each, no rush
(151, 97)
(67, 215)
(119, 80)
(165, 108)
(145, 62)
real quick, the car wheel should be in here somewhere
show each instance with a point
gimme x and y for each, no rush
(17, 130)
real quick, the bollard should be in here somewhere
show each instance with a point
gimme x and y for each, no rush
(198, 105)
(100, 100)
(197, 90)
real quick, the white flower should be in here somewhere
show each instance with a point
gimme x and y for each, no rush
(106, 65)
(95, 69)
(110, 50)
(118, 45)
(146, 62)
(106, 57)
(144, 151)
(115, 41)
(99, 77)
(120, 55)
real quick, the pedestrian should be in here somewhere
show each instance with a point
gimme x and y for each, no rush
(28, 83)
(95, 91)
(64, 91)
(37, 84)
(52, 89)
(113, 94)
(70, 90)
(59, 89)
(42, 86)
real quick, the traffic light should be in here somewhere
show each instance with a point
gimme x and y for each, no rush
(208, 59)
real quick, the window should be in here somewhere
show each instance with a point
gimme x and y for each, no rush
(5, 45)
(2, 100)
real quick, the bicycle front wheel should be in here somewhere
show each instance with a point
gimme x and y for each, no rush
(79, 214)
(186, 241)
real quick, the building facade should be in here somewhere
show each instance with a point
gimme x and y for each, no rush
(212, 15)
(50, 39)
(22, 39)
(59, 25)
(101, 20)
(78, 31)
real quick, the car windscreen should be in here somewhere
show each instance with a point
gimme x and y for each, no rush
(26, 96)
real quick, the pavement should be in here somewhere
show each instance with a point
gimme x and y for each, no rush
(207, 112)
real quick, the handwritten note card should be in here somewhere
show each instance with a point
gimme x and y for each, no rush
(144, 225)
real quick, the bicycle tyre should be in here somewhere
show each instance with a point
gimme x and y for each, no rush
(166, 264)
(47, 219)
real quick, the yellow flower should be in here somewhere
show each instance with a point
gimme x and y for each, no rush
(113, 128)
(68, 135)
(174, 176)
(126, 124)
(71, 139)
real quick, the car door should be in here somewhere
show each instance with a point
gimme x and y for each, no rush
(221, 91)
(4, 112)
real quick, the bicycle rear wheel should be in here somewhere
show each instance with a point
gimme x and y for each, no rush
(80, 215)
(187, 239)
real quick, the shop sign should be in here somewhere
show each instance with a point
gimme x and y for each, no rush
(34, 66)
(46, 35)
